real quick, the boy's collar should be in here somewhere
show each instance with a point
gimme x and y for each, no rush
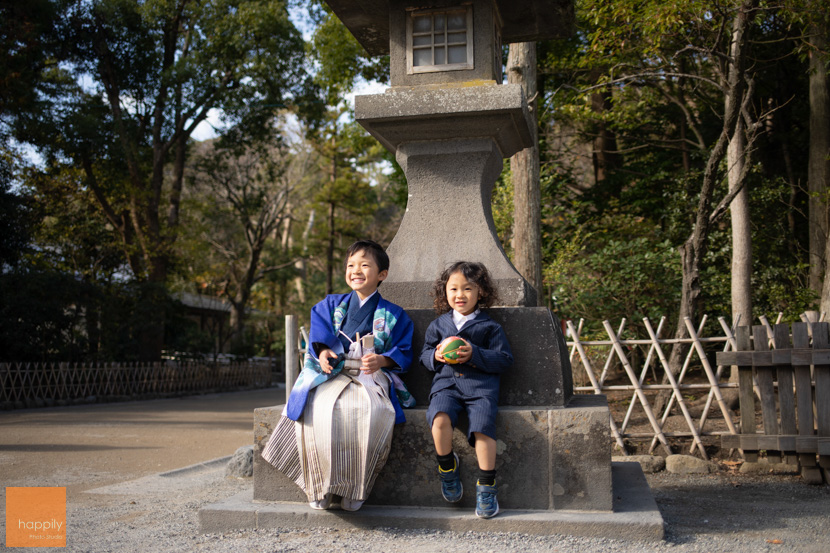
(460, 319)
(363, 302)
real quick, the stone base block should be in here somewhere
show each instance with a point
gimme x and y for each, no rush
(635, 515)
(548, 459)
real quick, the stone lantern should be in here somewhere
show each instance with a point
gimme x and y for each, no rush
(451, 122)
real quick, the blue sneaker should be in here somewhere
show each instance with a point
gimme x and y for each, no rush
(451, 487)
(487, 504)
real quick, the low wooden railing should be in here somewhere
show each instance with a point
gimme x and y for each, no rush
(35, 384)
(790, 376)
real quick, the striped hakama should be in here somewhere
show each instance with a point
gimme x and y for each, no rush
(341, 442)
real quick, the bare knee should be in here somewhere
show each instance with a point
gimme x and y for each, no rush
(442, 421)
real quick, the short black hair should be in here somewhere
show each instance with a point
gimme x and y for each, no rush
(372, 249)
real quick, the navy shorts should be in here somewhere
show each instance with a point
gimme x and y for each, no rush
(480, 410)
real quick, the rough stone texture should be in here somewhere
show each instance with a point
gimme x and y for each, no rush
(462, 112)
(449, 218)
(547, 459)
(649, 463)
(241, 464)
(764, 466)
(269, 483)
(580, 456)
(541, 372)
(450, 144)
(686, 464)
(368, 20)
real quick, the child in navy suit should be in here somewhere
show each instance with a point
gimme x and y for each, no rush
(471, 383)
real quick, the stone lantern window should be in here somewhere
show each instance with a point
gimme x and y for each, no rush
(439, 40)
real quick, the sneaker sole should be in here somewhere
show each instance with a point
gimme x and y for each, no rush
(482, 515)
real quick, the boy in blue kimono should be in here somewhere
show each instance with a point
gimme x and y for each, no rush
(335, 322)
(470, 382)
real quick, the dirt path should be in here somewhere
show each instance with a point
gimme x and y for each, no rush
(84, 447)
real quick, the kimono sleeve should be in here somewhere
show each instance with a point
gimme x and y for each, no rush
(322, 327)
(399, 347)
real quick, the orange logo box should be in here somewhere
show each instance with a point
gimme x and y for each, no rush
(35, 517)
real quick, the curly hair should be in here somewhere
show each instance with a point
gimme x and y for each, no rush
(474, 272)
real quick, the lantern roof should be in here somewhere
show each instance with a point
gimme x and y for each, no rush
(523, 20)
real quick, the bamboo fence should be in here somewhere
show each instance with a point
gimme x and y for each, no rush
(592, 362)
(30, 384)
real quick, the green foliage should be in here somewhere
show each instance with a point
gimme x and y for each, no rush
(341, 61)
(29, 42)
(649, 76)
(614, 267)
(502, 206)
(17, 220)
(36, 321)
(48, 315)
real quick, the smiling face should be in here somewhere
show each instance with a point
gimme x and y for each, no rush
(363, 274)
(462, 295)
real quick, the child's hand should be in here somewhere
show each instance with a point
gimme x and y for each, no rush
(372, 362)
(465, 353)
(325, 365)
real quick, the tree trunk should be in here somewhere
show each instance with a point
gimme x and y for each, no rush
(605, 155)
(301, 264)
(524, 166)
(330, 252)
(332, 206)
(243, 295)
(741, 241)
(694, 249)
(741, 228)
(818, 170)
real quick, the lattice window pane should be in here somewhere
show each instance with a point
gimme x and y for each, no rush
(441, 38)
(423, 57)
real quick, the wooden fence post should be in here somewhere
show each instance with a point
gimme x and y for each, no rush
(822, 377)
(804, 392)
(291, 353)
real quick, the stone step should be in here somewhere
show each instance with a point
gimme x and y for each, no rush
(635, 515)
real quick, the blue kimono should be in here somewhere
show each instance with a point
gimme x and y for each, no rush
(472, 386)
(392, 329)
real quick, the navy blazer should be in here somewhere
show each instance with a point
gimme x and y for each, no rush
(491, 356)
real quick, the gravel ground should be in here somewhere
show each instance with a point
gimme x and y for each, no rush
(724, 512)
(109, 457)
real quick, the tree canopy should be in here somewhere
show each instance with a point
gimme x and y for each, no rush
(640, 115)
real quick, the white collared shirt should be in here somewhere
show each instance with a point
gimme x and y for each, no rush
(363, 302)
(460, 320)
